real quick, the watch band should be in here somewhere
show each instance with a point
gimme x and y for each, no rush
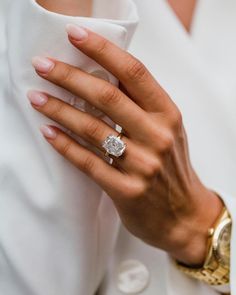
(214, 272)
(219, 276)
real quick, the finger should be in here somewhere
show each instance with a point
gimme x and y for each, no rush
(101, 172)
(135, 77)
(83, 124)
(91, 129)
(101, 94)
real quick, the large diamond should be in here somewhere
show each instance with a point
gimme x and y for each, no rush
(114, 146)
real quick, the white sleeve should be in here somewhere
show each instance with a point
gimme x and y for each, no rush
(224, 289)
(33, 30)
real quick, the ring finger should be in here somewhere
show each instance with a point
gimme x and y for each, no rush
(84, 125)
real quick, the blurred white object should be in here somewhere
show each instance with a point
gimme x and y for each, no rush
(133, 277)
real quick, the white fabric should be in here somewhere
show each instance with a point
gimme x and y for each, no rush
(58, 231)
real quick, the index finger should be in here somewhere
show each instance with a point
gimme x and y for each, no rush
(137, 80)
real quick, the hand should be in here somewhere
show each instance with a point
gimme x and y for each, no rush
(156, 191)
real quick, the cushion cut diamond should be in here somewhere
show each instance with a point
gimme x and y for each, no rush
(114, 146)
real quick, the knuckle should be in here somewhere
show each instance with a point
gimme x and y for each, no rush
(167, 142)
(137, 192)
(65, 148)
(152, 169)
(135, 189)
(88, 165)
(109, 95)
(136, 70)
(102, 46)
(66, 75)
(57, 110)
(92, 129)
(176, 119)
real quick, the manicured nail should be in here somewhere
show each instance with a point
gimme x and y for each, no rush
(76, 33)
(37, 98)
(48, 132)
(42, 64)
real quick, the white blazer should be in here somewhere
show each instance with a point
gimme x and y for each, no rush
(59, 233)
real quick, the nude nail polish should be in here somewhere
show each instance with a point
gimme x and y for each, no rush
(48, 132)
(42, 64)
(37, 98)
(77, 33)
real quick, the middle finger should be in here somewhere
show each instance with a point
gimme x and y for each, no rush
(101, 94)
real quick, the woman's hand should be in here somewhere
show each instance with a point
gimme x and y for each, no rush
(153, 185)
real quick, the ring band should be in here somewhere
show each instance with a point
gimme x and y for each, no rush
(114, 145)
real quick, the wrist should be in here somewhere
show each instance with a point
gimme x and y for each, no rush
(195, 242)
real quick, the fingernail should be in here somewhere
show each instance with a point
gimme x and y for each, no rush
(48, 132)
(76, 33)
(42, 64)
(37, 98)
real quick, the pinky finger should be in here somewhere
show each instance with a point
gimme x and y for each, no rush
(96, 168)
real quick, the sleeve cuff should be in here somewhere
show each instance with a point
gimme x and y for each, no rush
(225, 289)
(230, 202)
(106, 13)
(32, 30)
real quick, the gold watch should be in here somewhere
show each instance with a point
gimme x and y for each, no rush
(216, 268)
